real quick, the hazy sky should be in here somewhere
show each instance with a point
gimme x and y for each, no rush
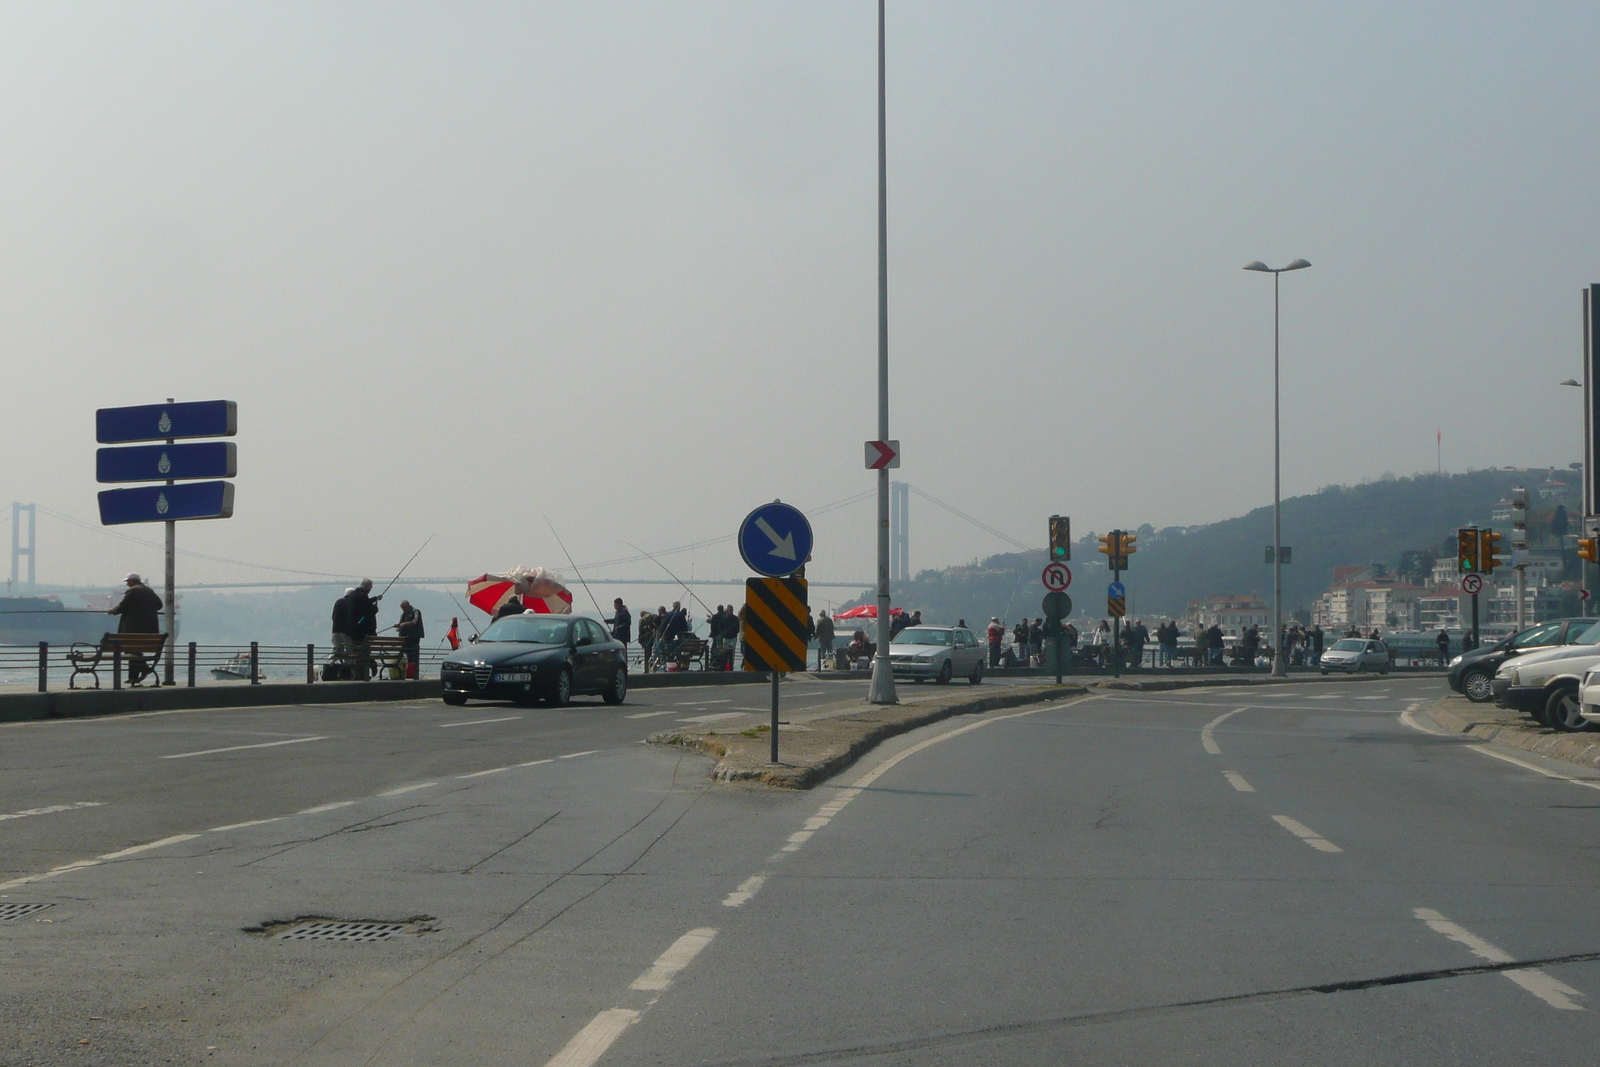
(467, 265)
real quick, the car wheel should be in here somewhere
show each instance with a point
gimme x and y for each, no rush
(455, 700)
(1384, 669)
(1478, 686)
(976, 677)
(1324, 672)
(944, 674)
(1564, 711)
(619, 687)
(561, 691)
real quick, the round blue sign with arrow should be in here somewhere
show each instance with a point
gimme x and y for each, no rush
(775, 540)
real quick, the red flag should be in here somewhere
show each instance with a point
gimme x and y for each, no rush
(454, 636)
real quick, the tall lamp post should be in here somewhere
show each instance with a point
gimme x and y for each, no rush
(1279, 668)
(1583, 523)
(881, 689)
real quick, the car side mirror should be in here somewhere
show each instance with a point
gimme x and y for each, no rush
(473, 639)
(584, 640)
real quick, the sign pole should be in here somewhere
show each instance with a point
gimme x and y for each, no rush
(881, 690)
(1116, 626)
(1474, 620)
(172, 583)
(775, 677)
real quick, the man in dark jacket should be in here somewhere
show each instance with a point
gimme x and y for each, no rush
(140, 613)
(621, 623)
(409, 629)
(363, 624)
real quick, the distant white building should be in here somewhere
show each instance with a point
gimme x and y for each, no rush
(1234, 614)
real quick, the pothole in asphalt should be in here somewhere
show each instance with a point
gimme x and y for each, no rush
(9, 910)
(322, 928)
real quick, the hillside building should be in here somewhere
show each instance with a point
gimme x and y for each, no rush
(1234, 614)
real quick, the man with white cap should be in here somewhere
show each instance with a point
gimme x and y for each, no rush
(997, 635)
(140, 611)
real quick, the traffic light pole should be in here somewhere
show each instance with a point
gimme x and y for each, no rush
(1116, 624)
(1474, 620)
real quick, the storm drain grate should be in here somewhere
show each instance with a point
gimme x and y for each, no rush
(17, 911)
(339, 930)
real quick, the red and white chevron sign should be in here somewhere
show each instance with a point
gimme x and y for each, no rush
(882, 455)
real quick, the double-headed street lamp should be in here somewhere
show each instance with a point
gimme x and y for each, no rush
(1279, 668)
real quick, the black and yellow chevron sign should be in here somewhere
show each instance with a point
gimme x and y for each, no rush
(775, 624)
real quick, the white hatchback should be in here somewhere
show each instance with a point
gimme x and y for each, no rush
(1355, 654)
(937, 652)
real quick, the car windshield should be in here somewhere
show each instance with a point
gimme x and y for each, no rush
(922, 635)
(1591, 636)
(1349, 645)
(528, 630)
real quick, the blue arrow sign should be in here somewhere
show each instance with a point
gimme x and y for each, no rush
(161, 422)
(775, 540)
(158, 463)
(1117, 591)
(166, 503)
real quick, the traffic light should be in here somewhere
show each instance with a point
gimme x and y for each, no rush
(1489, 551)
(1060, 538)
(1589, 549)
(1111, 543)
(1467, 549)
(1127, 544)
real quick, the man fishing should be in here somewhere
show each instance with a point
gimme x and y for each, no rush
(363, 624)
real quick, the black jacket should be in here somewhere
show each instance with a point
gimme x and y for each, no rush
(341, 617)
(363, 615)
(622, 625)
(140, 609)
(410, 626)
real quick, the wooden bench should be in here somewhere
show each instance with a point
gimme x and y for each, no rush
(385, 655)
(142, 650)
(690, 650)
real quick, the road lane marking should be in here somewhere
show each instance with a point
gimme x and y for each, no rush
(407, 789)
(1306, 834)
(53, 872)
(585, 752)
(1540, 983)
(242, 825)
(1236, 780)
(649, 714)
(716, 716)
(320, 808)
(1208, 732)
(52, 809)
(146, 847)
(476, 722)
(747, 889)
(480, 774)
(679, 955)
(1409, 719)
(698, 703)
(535, 762)
(590, 1043)
(241, 748)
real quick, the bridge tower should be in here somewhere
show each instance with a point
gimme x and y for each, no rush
(18, 549)
(899, 534)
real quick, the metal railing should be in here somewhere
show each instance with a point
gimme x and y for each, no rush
(48, 666)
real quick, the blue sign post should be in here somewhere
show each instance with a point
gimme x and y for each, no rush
(180, 498)
(775, 540)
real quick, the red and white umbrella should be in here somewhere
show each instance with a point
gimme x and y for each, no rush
(865, 611)
(541, 591)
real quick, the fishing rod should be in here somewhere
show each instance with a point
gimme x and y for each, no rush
(674, 577)
(409, 562)
(598, 610)
(464, 614)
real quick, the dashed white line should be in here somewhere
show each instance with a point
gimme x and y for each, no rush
(242, 825)
(590, 1043)
(699, 703)
(136, 849)
(320, 808)
(716, 716)
(648, 714)
(241, 748)
(52, 809)
(535, 762)
(1208, 732)
(1306, 834)
(679, 955)
(480, 774)
(1541, 984)
(585, 752)
(1236, 780)
(747, 889)
(477, 722)
(408, 789)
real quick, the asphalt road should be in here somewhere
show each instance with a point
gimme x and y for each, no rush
(1286, 874)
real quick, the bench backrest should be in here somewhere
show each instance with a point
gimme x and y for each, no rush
(142, 643)
(386, 644)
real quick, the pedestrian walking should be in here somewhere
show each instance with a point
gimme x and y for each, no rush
(410, 631)
(1443, 641)
(824, 639)
(1316, 643)
(138, 612)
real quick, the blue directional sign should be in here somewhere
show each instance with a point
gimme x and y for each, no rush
(159, 463)
(162, 422)
(775, 540)
(166, 503)
(1117, 591)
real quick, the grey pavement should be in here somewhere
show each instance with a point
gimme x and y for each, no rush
(1257, 875)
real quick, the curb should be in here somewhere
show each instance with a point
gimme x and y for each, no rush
(879, 726)
(77, 703)
(1523, 734)
(1164, 685)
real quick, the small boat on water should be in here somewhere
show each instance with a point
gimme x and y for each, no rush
(236, 669)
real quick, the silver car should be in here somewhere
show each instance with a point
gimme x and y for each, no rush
(937, 652)
(1355, 654)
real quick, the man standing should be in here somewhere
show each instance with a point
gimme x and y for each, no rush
(1316, 643)
(1443, 641)
(1214, 644)
(997, 637)
(409, 630)
(824, 639)
(140, 613)
(897, 623)
(672, 631)
(363, 624)
(621, 623)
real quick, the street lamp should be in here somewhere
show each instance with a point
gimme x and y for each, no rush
(1279, 669)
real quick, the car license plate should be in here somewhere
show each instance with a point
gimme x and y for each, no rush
(514, 676)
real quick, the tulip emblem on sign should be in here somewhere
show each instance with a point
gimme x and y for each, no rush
(164, 465)
(165, 425)
(161, 504)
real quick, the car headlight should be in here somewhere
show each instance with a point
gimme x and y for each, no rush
(1457, 661)
(921, 659)
(1516, 675)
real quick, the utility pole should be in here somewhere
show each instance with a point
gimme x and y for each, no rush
(882, 687)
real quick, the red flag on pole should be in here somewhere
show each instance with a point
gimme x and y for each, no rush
(454, 636)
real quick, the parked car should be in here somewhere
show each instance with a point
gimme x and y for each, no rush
(1589, 696)
(937, 652)
(529, 657)
(1472, 673)
(1545, 683)
(1355, 654)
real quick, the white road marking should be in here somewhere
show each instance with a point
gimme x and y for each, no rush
(320, 808)
(535, 762)
(477, 722)
(407, 789)
(590, 1043)
(715, 716)
(585, 752)
(1208, 732)
(813, 693)
(797, 839)
(1236, 780)
(1306, 834)
(1483, 750)
(1538, 982)
(698, 703)
(747, 889)
(649, 714)
(678, 956)
(480, 774)
(241, 748)
(52, 809)
(136, 849)
(1327, 696)
(1369, 698)
(242, 825)
(53, 872)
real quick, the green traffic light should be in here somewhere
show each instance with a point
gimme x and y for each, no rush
(1058, 551)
